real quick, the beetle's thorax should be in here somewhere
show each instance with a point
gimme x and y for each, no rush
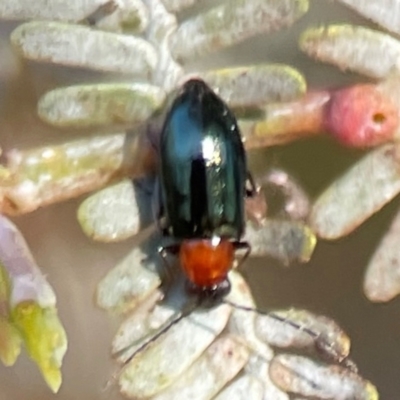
(206, 262)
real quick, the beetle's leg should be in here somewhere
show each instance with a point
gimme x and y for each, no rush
(157, 206)
(101, 12)
(237, 245)
(163, 251)
(251, 187)
(256, 207)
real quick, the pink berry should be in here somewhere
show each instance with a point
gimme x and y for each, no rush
(361, 116)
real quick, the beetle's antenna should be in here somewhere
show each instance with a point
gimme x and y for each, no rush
(164, 329)
(321, 342)
(178, 316)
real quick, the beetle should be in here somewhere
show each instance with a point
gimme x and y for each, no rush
(203, 184)
(204, 181)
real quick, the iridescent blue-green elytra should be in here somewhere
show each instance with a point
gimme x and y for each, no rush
(203, 167)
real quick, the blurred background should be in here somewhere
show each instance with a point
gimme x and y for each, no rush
(330, 284)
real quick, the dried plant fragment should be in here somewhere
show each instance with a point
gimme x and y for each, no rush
(79, 46)
(390, 88)
(112, 214)
(135, 13)
(255, 85)
(178, 5)
(244, 388)
(46, 175)
(231, 23)
(358, 194)
(382, 278)
(164, 24)
(221, 362)
(284, 240)
(32, 306)
(384, 12)
(159, 365)
(281, 123)
(304, 377)
(249, 387)
(116, 213)
(102, 104)
(128, 284)
(56, 10)
(368, 52)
